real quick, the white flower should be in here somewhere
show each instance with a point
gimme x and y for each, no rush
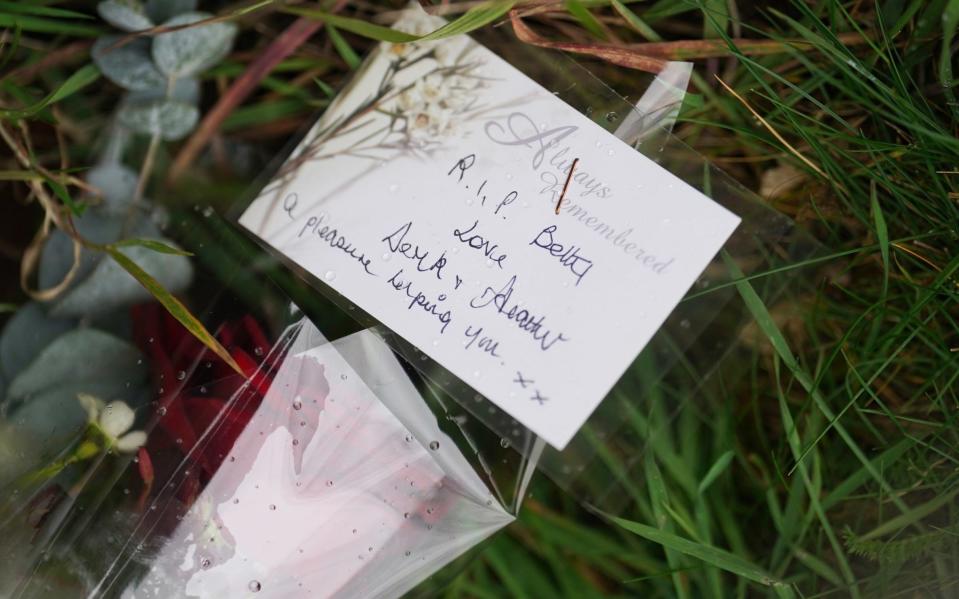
(113, 419)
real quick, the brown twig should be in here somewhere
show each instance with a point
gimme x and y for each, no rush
(624, 57)
(54, 215)
(294, 36)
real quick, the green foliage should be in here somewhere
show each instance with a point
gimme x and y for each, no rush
(826, 464)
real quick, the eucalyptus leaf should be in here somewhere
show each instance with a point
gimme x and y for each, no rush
(192, 50)
(110, 287)
(162, 10)
(53, 418)
(83, 356)
(42, 400)
(117, 184)
(57, 254)
(130, 66)
(27, 332)
(170, 119)
(128, 15)
(185, 89)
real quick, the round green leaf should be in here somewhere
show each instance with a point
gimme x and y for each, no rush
(161, 10)
(57, 254)
(27, 332)
(185, 89)
(117, 184)
(169, 119)
(128, 15)
(84, 357)
(192, 50)
(130, 66)
(42, 400)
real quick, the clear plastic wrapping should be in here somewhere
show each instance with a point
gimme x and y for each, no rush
(600, 465)
(346, 462)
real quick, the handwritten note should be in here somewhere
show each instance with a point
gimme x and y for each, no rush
(427, 195)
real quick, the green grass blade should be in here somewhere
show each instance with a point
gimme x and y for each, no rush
(36, 24)
(718, 467)
(60, 190)
(173, 306)
(151, 244)
(950, 22)
(74, 83)
(882, 233)
(473, 19)
(585, 18)
(20, 8)
(913, 516)
(343, 48)
(709, 554)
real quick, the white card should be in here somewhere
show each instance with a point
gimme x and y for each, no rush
(427, 196)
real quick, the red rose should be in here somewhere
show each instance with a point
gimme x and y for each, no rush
(199, 410)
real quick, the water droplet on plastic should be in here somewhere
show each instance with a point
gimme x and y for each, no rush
(407, 554)
(406, 515)
(272, 508)
(180, 375)
(343, 377)
(254, 586)
(610, 153)
(330, 275)
(236, 501)
(504, 442)
(434, 445)
(386, 257)
(296, 442)
(611, 117)
(208, 212)
(258, 351)
(329, 483)
(394, 187)
(297, 404)
(206, 563)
